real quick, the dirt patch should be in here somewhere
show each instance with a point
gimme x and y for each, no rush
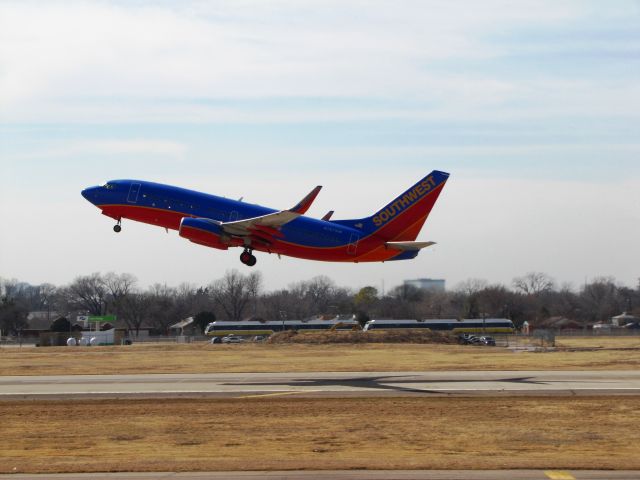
(359, 337)
(355, 433)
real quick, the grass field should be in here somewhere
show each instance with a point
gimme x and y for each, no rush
(592, 353)
(279, 433)
(599, 342)
(302, 433)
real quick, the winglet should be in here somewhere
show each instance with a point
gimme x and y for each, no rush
(327, 215)
(306, 202)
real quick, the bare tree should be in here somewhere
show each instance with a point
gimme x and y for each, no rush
(407, 293)
(319, 290)
(600, 299)
(234, 291)
(161, 306)
(13, 316)
(437, 304)
(48, 295)
(494, 300)
(134, 308)
(471, 286)
(297, 302)
(284, 304)
(191, 299)
(88, 293)
(118, 288)
(533, 283)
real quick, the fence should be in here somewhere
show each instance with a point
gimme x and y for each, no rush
(612, 332)
(172, 339)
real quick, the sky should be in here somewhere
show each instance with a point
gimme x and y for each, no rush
(533, 107)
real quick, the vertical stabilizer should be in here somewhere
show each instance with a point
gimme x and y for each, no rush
(403, 217)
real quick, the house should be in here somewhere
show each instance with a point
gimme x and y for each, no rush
(624, 319)
(39, 321)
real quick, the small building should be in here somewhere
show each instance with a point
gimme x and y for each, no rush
(143, 332)
(39, 321)
(429, 284)
(624, 319)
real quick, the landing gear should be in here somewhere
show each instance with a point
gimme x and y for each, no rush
(117, 227)
(248, 258)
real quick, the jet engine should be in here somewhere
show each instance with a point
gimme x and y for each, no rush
(204, 231)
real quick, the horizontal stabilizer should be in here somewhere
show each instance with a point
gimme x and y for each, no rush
(408, 246)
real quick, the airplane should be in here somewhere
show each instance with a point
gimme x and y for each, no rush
(218, 222)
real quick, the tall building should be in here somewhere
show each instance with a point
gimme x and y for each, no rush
(431, 284)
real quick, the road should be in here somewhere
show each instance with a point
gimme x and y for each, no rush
(323, 384)
(350, 475)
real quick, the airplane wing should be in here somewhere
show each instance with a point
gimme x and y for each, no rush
(408, 245)
(267, 225)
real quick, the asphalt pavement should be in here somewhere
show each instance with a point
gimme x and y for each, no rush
(323, 384)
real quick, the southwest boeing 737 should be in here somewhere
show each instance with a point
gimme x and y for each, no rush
(217, 222)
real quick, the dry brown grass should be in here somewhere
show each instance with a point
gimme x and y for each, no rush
(599, 342)
(206, 358)
(279, 433)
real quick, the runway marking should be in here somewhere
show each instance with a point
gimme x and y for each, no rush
(559, 475)
(277, 394)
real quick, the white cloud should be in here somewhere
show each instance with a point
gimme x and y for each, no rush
(87, 61)
(113, 147)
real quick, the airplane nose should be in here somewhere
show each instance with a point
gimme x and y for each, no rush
(90, 194)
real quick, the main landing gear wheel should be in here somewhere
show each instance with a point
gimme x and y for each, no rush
(117, 227)
(248, 258)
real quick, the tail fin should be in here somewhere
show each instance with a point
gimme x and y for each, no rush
(403, 218)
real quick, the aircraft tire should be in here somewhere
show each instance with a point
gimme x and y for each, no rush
(245, 257)
(117, 228)
(252, 260)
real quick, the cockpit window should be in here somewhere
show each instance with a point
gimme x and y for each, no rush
(108, 186)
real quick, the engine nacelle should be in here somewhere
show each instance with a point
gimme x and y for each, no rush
(204, 231)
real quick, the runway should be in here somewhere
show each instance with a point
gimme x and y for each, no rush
(323, 384)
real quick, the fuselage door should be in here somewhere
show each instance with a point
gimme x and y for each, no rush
(353, 244)
(233, 216)
(134, 190)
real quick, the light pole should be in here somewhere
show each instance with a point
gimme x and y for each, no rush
(283, 317)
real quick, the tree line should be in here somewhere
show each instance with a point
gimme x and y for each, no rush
(534, 297)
